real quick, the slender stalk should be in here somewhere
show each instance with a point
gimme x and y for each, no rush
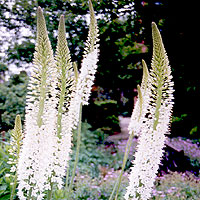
(77, 151)
(17, 136)
(80, 118)
(118, 182)
(13, 187)
(60, 107)
(66, 182)
(29, 194)
(50, 192)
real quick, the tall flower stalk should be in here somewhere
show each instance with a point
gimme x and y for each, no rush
(155, 123)
(65, 74)
(54, 103)
(84, 84)
(16, 143)
(37, 156)
(135, 124)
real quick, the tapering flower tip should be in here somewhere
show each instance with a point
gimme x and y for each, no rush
(15, 143)
(18, 125)
(145, 76)
(17, 133)
(135, 122)
(62, 22)
(41, 25)
(93, 21)
(156, 32)
(63, 58)
(75, 71)
(39, 10)
(92, 39)
(62, 47)
(157, 40)
(140, 99)
(39, 14)
(91, 8)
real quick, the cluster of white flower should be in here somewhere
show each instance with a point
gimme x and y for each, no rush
(37, 159)
(147, 157)
(85, 79)
(81, 94)
(87, 76)
(154, 124)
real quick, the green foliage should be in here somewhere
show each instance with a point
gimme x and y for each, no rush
(178, 119)
(22, 53)
(177, 186)
(94, 154)
(12, 99)
(173, 186)
(194, 130)
(5, 187)
(103, 114)
(119, 29)
(87, 188)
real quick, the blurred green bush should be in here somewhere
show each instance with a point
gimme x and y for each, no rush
(12, 100)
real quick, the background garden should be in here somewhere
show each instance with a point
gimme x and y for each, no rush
(125, 39)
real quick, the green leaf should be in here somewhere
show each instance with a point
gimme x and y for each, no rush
(6, 197)
(1, 171)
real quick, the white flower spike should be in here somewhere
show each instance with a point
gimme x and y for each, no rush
(141, 103)
(155, 124)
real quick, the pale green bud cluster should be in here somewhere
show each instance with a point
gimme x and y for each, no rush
(15, 143)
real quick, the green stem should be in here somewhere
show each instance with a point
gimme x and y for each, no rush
(18, 135)
(66, 181)
(29, 195)
(14, 187)
(77, 151)
(50, 192)
(60, 110)
(42, 95)
(118, 182)
(80, 116)
(158, 105)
